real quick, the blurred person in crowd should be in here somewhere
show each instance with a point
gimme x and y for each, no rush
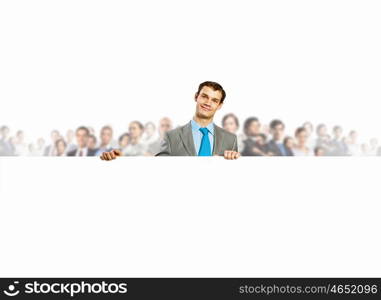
(135, 146)
(289, 143)
(200, 136)
(91, 130)
(50, 150)
(106, 140)
(40, 147)
(21, 148)
(252, 130)
(61, 147)
(70, 145)
(373, 147)
(309, 127)
(365, 149)
(322, 139)
(165, 125)
(319, 151)
(92, 143)
(353, 147)
(300, 147)
(257, 148)
(6, 147)
(82, 136)
(337, 145)
(230, 123)
(123, 141)
(276, 147)
(265, 129)
(149, 135)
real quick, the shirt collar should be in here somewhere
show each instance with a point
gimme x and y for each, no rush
(196, 126)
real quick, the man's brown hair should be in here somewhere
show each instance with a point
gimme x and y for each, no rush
(215, 86)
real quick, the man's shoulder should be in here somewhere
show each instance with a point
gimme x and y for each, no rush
(176, 131)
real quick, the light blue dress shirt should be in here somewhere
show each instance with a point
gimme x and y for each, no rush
(197, 135)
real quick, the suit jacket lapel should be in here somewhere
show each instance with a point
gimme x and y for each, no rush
(218, 138)
(187, 138)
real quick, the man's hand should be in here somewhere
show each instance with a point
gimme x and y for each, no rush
(111, 155)
(231, 154)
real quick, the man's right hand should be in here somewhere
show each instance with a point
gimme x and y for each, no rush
(111, 155)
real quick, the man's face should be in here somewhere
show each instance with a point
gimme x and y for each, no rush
(106, 136)
(82, 138)
(278, 132)
(208, 102)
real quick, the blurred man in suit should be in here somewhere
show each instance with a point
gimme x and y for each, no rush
(6, 148)
(106, 137)
(82, 135)
(200, 136)
(276, 146)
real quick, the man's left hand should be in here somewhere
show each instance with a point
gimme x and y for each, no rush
(231, 154)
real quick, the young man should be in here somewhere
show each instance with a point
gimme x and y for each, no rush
(200, 136)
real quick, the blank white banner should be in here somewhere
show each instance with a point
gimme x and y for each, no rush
(179, 216)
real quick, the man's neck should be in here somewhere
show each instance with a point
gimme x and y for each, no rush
(202, 121)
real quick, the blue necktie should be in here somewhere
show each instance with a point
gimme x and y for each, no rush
(205, 143)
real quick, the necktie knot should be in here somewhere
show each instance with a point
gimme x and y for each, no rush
(204, 130)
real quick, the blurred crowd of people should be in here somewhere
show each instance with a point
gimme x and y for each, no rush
(255, 139)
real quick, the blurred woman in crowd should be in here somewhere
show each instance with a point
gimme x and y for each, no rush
(149, 135)
(123, 141)
(60, 147)
(21, 148)
(353, 147)
(289, 144)
(136, 146)
(92, 142)
(252, 130)
(230, 123)
(301, 148)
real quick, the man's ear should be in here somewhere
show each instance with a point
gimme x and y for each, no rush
(219, 105)
(195, 97)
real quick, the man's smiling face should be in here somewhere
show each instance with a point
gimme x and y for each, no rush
(208, 102)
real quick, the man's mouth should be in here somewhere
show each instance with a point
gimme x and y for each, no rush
(205, 108)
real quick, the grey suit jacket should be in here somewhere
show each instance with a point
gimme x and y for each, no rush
(179, 142)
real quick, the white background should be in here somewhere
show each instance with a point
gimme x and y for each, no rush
(178, 216)
(68, 63)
